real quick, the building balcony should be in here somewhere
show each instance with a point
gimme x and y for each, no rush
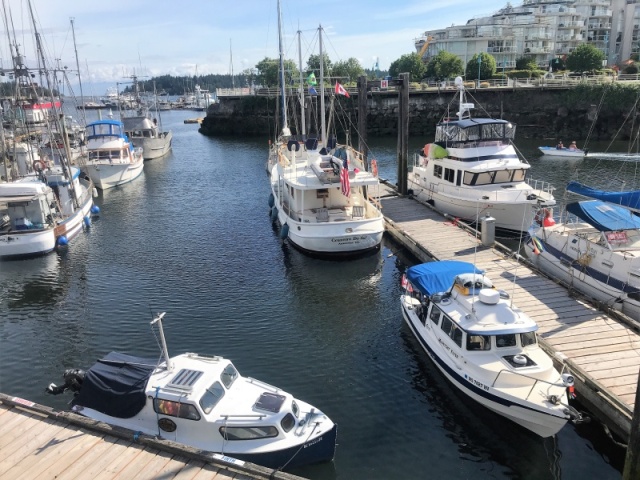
(501, 50)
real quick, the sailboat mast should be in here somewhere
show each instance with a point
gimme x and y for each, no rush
(75, 49)
(323, 138)
(303, 123)
(285, 126)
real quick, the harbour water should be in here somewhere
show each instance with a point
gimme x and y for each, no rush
(192, 237)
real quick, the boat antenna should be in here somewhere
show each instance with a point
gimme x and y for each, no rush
(75, 48)
(322, 112)
(165, 351)
(283, 101)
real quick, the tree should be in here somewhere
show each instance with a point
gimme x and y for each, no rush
(444, 65)
(313, 64)
(349, 70)
(411, 63)
(268, 72)
(585, 58)
(487, 66)
(526, 63)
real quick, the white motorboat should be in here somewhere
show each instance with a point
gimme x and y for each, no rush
(45, 209)
(112, 159)
(144, 133)
(202, 401)
(562, 152)
(595, 248)
(487, 348)
(472, 170)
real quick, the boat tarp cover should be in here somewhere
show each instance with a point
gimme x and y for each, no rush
(630, 199)
(116, 384)
(603, 216)
(436, 277)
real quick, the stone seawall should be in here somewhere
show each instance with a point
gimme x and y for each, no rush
(538, 113)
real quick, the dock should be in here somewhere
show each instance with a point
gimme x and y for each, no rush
(40, 442)
(601, 349)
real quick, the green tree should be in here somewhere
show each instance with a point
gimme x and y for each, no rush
(411, 63)
(558, 64)
(526, 63)
(267, 72)
(585, 58)
(313, 65)
(486, 64)
(349, 70)
(444, 65)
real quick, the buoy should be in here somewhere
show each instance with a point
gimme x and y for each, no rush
(274, 213)
(62, 241)
(95, 209)
(284, 231)
(95, 192)
(272, 200)
(87, 221)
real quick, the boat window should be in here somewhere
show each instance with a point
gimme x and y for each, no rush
(437, 171)
(527, 339)
(176, 409)
(288, 422)
(211, 397)
(503, 176)
(435, 315)
(508, 340)
(228, 376)
(295, 408)
(248, 433)
(456, 334)
(446, 325)
(478, 342)
(449, 174)
(518, 175)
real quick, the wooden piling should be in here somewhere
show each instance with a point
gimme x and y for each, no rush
(403, 133)
(632, 460)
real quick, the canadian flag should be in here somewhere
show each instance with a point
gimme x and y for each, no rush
(340, 90)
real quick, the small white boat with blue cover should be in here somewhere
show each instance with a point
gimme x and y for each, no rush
(202, 401)
(562, 152)
(486, 347)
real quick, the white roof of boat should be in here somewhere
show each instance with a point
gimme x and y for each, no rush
(30, 186)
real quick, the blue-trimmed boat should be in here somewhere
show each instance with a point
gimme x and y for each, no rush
(111, 158)
(486, 347)
(202, 401)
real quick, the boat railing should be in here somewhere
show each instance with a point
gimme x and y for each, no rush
(540, 185)
(262, 384)
(259, 416)
(535, 381)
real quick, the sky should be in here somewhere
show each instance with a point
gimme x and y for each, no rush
(116, 39)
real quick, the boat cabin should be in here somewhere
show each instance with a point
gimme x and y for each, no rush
(103, 129)
(474, 132)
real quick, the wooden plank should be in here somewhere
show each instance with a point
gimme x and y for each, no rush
(152, 468)
(90, 456)
(102, 455)
(578, 351)
(137, 465)
(22, 446)
(174, 466)
(190, 470)
(209, 472)
(120, 463)
(14, 426)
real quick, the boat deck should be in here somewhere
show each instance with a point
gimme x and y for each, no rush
(602, 350)
(39, 442)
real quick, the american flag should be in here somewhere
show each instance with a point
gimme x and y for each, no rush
(344, 178)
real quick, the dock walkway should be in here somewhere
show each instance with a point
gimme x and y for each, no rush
(602, 351)
(39, 442)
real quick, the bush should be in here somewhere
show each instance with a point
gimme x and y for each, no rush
(519, 74)
(631, 68)
(484, 85)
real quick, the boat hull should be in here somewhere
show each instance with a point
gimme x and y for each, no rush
(105, 176)
(562, 153)
(154, 147)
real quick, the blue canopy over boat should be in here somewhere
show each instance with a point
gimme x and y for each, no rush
(630, 199)
(435, 277)
(605, 217)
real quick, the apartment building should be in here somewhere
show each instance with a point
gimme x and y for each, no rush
(543, 30)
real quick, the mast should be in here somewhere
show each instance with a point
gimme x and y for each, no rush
(165, 350)
(303, 125)
(323, 138)
(75, 48)
(283, 100)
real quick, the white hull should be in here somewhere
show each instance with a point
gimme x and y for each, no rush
(562, 153)
(106, 175)
(154, 147)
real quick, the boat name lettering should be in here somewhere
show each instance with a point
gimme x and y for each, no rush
(317, 440)
(478, 384)
(451, 352)
(348, 240)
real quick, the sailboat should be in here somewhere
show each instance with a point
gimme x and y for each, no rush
(320, 191)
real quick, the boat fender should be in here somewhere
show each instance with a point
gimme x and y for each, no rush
(38, 165)
(548, 219)
(62, 241)
(87, 221)
(272, 200)
(374, 167)
(95, 209)
(274, 213)
(293, 145)
(284, 231)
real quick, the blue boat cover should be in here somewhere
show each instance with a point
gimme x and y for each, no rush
(605, 217)
(116, 385)
(630, 199)
(436, 277)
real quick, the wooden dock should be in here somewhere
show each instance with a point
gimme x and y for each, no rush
(39, 442)
(601, 350)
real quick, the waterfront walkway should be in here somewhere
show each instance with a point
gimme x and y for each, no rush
(602, 352)
(39, 442)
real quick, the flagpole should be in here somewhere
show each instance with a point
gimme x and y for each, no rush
(304, 127)
(323, 139)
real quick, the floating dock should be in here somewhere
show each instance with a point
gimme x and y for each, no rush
(40, 442)
(602, 350)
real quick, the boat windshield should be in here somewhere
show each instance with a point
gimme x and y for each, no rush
(211, 397)
(470, 130)
(228, 376)
(496, 176)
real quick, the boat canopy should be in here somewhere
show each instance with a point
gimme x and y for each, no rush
(102, 128)
(436, 277)
(116, 385)
(475, 130)
(629, 199)
(605, 217)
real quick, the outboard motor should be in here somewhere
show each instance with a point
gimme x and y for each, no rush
(73, 378)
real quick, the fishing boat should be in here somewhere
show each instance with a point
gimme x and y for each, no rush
(486, 347)
(111, 157)
(562, 152)
(46, 207)
(594, 248)
(202, 401)
(472, 170)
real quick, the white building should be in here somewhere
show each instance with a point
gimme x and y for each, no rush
(543, 30)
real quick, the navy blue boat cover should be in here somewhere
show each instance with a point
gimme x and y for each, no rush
(603, 216)
(437, 277)
(629, 199)
(116, 385)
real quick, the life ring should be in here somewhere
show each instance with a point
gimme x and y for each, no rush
(38, 165)
(374, 167)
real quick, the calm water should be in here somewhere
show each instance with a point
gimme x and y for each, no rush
(192, 237)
